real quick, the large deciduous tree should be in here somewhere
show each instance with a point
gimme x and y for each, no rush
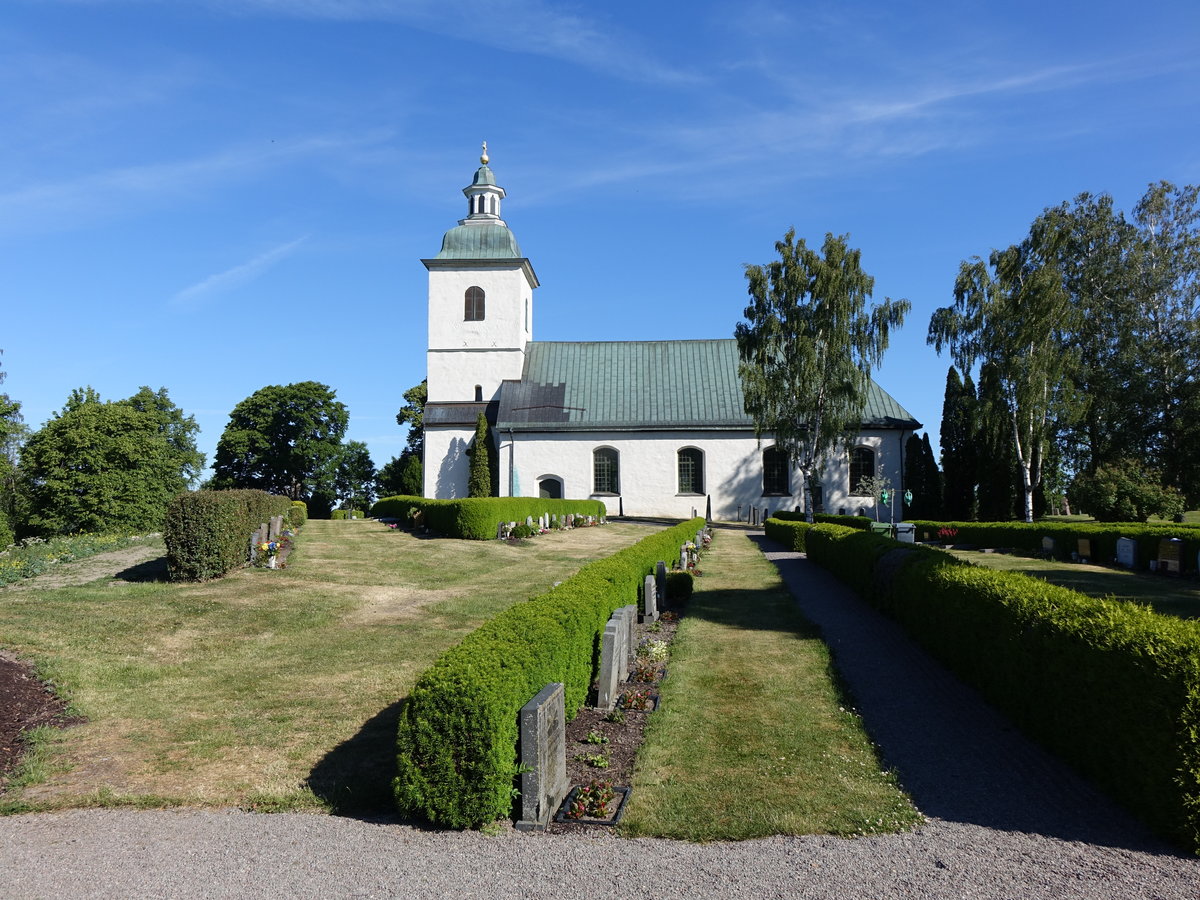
(807, 348)
(106, 466)
(1012, 314)
(284, 439)
(354, 476)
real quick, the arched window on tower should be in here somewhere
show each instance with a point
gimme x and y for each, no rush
(862, 466)
(479, 393)
(606, 476)
(473, 311)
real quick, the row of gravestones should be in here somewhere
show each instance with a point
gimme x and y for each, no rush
(1170, 553)
(547, 522)
(267, 531)
(542, 721)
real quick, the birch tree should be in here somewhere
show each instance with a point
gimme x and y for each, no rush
(807, 347)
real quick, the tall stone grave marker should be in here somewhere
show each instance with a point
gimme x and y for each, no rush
(543, 741)
(610, 656)
(649, 599)
(1126, 552)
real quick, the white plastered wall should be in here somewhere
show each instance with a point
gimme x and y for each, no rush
(648, 464)
(447, 466)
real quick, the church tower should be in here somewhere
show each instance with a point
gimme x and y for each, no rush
(480, 300)
(480, 321)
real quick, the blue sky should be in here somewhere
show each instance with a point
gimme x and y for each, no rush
(216, 195)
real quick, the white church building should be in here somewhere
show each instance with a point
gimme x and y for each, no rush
(652, 428)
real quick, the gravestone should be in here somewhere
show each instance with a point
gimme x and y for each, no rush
(660, 582)
(650, 599)
(255, 539)
(1048, 547)
(1170, 555)
(1085, 549)
(1127, 552)
(500, 535)
(683, 558)
(630, 613)
(529, 521)
(276, 526)
(570, 520)
(610, 656)
(543, 742)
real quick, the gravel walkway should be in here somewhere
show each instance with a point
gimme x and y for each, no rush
(1006, 821)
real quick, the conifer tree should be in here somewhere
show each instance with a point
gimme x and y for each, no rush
(479, 482)
(959, 431)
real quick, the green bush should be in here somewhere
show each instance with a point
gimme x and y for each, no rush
(860, 522)
(457, 738)
(298, 514)
(341, 514)
(207, 533)
(1103, 537)
(476, 519)
(787, 532)
(1113, 688)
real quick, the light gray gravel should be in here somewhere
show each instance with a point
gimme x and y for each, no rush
(1006, 821)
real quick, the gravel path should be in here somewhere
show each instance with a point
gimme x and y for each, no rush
(1006, 821)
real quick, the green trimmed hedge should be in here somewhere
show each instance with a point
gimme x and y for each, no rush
(1113, 688)
(207, 533)
(457, 737)
(787, 532)
(1028, 536)
(342, 514)
(298, 514)
(475, 519)
(860, 522)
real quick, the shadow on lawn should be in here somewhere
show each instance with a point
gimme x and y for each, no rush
(355, 777)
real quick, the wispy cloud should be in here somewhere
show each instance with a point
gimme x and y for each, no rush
(236, 276)
(536, 27)
(70, 203)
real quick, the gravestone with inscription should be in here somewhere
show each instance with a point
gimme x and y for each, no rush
(1048, 547)
(1170, 556)
(630, 614)
(660, 582)
(1126, 552)
(611, 653)
(543, 742)
(1085, 549)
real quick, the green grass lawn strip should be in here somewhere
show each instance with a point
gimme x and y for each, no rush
(1171, 596)
(269, 689)
(753, 736)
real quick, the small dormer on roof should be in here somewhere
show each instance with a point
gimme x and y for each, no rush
(482, 234)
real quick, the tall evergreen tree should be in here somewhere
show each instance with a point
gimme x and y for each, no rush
(479, 483)
(996, 467)
(959, 433)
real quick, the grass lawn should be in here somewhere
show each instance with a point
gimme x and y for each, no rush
(266, 689)
(753, 736)
(1168, 595)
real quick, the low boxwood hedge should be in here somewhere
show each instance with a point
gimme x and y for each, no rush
(789, 533)
(861, 522)
(1113, 688)
(457, 737)
(475, 519)
(1103, 537)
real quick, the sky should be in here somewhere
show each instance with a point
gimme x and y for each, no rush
(213, 196)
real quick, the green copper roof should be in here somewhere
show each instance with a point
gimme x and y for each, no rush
(483, 175)
(617, 385)
(479, 241)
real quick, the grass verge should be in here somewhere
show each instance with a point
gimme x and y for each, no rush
(1169, 596)
(753, 736)
(271, 690)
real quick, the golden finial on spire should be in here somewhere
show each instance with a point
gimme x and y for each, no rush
(484, 157)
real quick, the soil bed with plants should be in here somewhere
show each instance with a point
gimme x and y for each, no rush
(602, 746)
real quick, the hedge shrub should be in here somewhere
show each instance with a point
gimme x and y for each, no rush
(475, 519)
(1028, 536)
(457, 737)
(861, 522)
(1113, 688)
(298, 514)
(787, 532)
(207, 533)
(342, 514)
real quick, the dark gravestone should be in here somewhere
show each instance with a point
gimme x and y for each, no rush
(1170, 555)
(543, 741)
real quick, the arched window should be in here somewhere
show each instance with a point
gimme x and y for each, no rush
(862, 465)
(479, 393)
(691, 471)
(776, 473)
(605, 471)
(473, 310)
(550, 487)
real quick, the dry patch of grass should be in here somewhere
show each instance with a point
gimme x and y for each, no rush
(753, 736)
(273, 690)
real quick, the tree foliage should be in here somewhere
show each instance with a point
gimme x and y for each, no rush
(807, 347)
(283, 439)
(105, 466)
(354, 477)
(922, 478)
(402, 475)
(1125, 491)
(479, 481)
(958, 441)
(12, 433)
(412, 414)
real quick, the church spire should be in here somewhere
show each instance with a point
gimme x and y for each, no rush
(483, 195)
